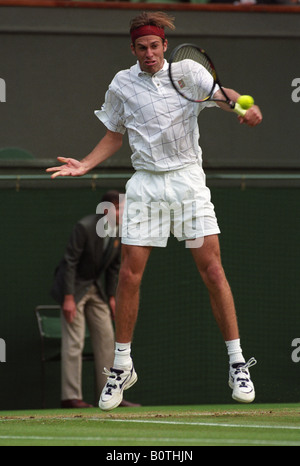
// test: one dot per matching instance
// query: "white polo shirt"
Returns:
(162, 125)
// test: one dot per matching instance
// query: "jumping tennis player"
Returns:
(169, 179)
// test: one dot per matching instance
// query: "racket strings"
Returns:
(191, 53)
(193, 82)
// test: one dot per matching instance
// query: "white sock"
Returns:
(122, 355)
(234, 351)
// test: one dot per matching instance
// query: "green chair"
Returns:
(15, 153)
(49, 325)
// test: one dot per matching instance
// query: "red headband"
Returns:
(147, 31)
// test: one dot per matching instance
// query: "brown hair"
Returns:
(112, 196)
(159, 19)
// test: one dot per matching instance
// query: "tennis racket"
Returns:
(182, 76)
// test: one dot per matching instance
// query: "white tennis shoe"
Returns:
(240, 382)
(118, 380)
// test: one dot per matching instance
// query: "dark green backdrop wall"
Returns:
(177, 343)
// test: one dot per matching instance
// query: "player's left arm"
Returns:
(253, 116)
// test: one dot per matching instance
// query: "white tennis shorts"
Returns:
(160, 203)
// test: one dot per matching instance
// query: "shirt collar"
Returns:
(143, 73)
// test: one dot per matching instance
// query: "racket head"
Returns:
(179, 77)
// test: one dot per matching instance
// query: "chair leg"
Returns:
(43, 386)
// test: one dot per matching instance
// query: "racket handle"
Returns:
(239, 110)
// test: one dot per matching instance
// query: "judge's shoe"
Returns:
(75, 404)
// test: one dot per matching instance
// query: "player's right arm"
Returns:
(253, 117)
(108, 145)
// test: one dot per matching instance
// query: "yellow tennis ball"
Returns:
(245, 101)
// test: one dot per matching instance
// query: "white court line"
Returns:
(211, 424)
(152, 421)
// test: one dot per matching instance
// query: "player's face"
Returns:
(149, 51)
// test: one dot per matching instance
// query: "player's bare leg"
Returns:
(122, 376)
(208, 261)
(134, 260)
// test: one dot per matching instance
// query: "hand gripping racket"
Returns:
(181, 82)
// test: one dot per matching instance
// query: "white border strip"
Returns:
(158, 440)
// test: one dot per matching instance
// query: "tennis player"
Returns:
(167, 190)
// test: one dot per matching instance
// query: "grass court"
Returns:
(169, 427)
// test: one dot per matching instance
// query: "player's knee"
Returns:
(129, 278)
(214, 276)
